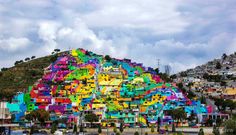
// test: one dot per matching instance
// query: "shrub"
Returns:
(152, 128)
(136, 133)
(54, 128)
(230, 127)
(146, 133)
(107, 58)
(121, 127)
(113, 124)
(81, 129)
(99, 129)
(201, 132)
(75, 129)
(179, 133)
(173, 127)
(216, 131)
(32, 129)
(117, 133)
(114, 129)
(218, 122)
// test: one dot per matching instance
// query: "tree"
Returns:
(32, 129)
(8, 95)
(4, 69)
(75, 129)
(206, 76)
(180, 85)
(158, 124)
(53, 58)
(42, 115)
(33, 57)
(201, 132)
(203, 100)
(57, 50)
(28, 117)
(183, 74)
(107, 58)
(99, 129)
(225, 104)
(223, 83)
(216, 130)
(173, 127)
(191, 117)
(16, 63)
(91, 117)
(209, 122)
(27, 59)
(81, 129)
(157, 71)
(173, 76)
(190, 84)
(54, 127)
(190, 95)
(224, 56)
(230, 127)
(218, 103)
(114, 129)
(121, 127)
(218, 121)
(231, 105)
(165, 77)
(218, 65)
(152, 128)
(13, 117)
(177, 114)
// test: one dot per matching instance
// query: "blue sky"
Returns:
(181, 33)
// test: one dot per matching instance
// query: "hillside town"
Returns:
(217, 78)
(82, 89)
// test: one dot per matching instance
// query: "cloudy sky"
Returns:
(181, 33)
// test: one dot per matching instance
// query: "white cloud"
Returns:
(162, 17)
(182, 33)
(14, 44)
(47, 32)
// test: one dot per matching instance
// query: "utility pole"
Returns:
(158, 63)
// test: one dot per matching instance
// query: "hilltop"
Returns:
(81, 82)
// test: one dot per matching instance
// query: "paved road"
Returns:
(130, 131)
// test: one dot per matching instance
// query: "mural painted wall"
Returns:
(113, 89)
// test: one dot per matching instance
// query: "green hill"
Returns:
(22, 75)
